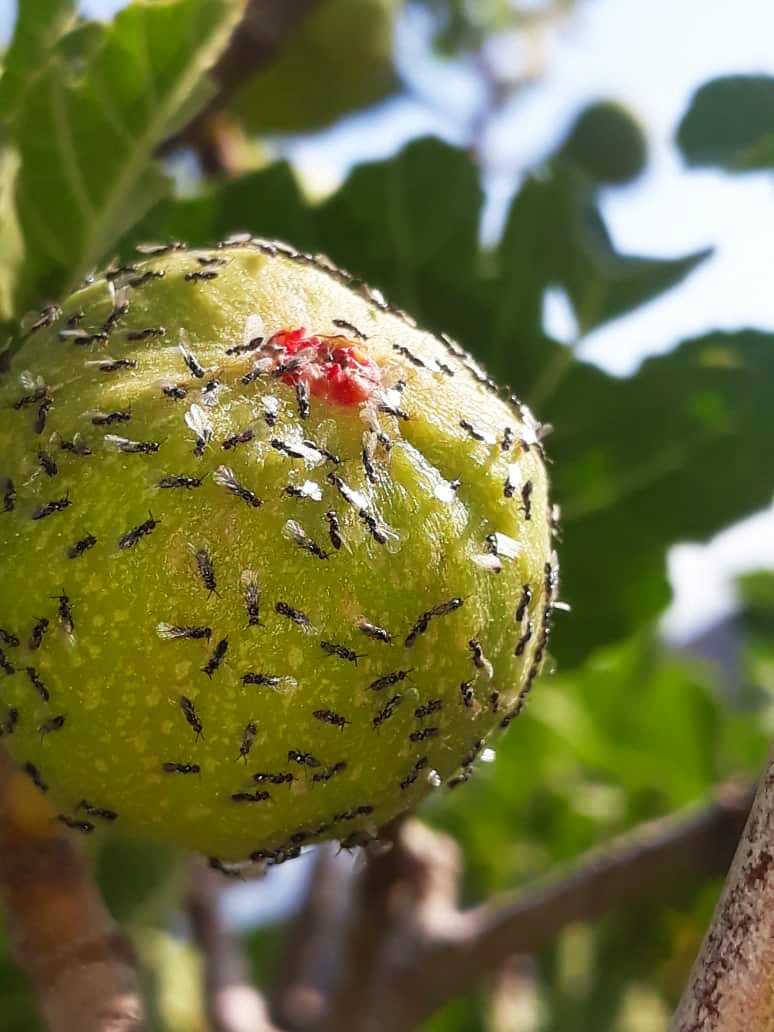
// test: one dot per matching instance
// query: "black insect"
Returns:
(412, 776)
(334, 530)
(147, 333)
(85, 827)
(305, 759)
(206, 570)
(191, 362)
(376, 529)
(389, 679)
(326, 775)
(173, 481)
(327, 716)
(299, 618)
(414, 359)
(507, 440)
(332, 649)
(263, 680)
(123, 444)
(329, 455)
(387, 710)
(9, 724)
(131, 537)
(251, 797)
(344, 325)
(283, 778)
(480, 662)
(286, 449)
(56, 505)
(115, 364)
(42, 415)
(431, 706)
(118, 313)
(181, 768)
(422, 624)
(205, 261)
(65, 612)
(76, 447)
(32, 398)
(241, 438)
(423, 733)
(7, 667)
(97, 811)
(356, 839)
(223, 867)
(6, 638)
(249, 735)
(47, 316)
(166, 630)
(522, 643)
(526, 500)
(474, 433)
(494, 702)
(216, 658)
(40, 628)
(9, 495)
(302, 399)
(174, 390)
(252, 598)
(393, 410)
(145, 277)
(524, 601)
(241, 349)
(52, 724)
(37, 684)
(372, 631)
(110, 418)
(368, 465)
(254, 374)
(202, 274)
(460, 779)
(47, 464)
(33, 773)
(189, 712)
(225, 477)
(466, 691)
(444, 368)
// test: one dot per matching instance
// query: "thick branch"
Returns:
(731, 988)
(266, 27)
(233, 1005)
(80, 965)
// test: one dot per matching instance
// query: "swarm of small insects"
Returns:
(276, 564)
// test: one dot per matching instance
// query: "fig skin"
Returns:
(265, 592)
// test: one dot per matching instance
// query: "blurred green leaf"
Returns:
(339, 60)
(730, 122)
(87, 135)
(39, 26)
(19, 1010)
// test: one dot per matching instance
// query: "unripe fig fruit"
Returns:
(275, 562)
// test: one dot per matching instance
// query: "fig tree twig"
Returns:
(233, 1004)
(80, 964)
(731, 988)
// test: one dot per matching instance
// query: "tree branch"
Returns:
(233, 1005)
(309, 964)
(731, 988)
(265, 28)
(81, 966)
(411, 949)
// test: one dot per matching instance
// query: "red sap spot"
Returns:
(333, 368)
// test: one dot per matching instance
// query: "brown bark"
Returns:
(81, 966)
(731, 988)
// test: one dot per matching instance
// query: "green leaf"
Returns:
(87, 138)
(39, 26)
(730, 122)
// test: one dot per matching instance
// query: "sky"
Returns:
(652, 57)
